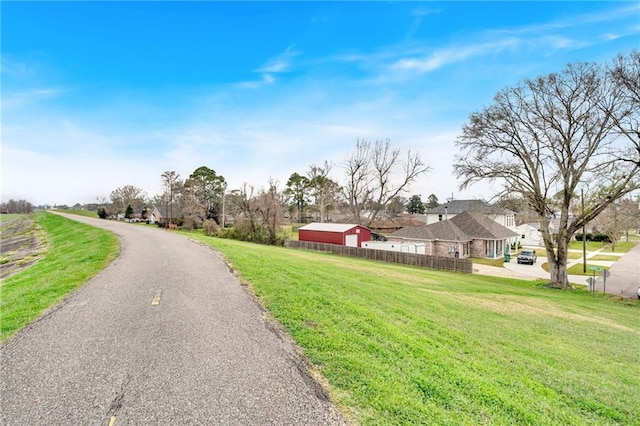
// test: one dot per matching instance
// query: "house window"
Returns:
(465, 249)
(523, 236)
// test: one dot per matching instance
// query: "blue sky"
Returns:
(97, 95)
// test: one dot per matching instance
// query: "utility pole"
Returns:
(222, 218)
(584, 237)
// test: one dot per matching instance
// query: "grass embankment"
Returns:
(8, 217)
(87, 213)
(76, 252)
(403, 345)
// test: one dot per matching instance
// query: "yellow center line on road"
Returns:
(156, 298)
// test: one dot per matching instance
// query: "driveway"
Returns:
(165, 335)
(624, 280)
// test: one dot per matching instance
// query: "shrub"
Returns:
(210, 227)
(601, 238)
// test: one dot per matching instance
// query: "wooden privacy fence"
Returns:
(423, 260)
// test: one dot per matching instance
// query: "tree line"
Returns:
(375, 177)
(566, 145)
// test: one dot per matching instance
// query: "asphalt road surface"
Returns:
(165, 335)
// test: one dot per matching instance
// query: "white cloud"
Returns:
(26, 98)
(280, 63)
(265, 80)
(455, 54)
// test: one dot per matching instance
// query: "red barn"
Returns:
(335, 233)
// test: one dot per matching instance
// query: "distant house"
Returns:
(157, 215)
(467, 234)
(335, 233)
(529, 235)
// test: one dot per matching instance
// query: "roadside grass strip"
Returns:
(86, 213)
(405, 346)
(76, 252)
(621, 247)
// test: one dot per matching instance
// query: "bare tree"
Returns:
(17, 207)
(550, 136)
(625, 73)
(617, 219)
(128, 195)
(261, 214)
(270, 206)
(172, 183)
(372, 177)
(358, 187)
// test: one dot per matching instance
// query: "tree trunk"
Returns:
(558, 262)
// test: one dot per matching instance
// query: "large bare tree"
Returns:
(128, 195)
(545, 140)
(376, 174)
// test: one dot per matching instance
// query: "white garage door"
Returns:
(351, 241)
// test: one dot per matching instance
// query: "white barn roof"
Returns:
(328, 227)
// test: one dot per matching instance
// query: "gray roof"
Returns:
(479, 226)
(444, 230)
(459, 206)
(465, 226)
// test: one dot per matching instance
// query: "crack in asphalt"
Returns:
(117, 402)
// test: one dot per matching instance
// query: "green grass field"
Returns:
(76, 252)
(86, 213)
(401, 345)
(621, 247)
(8, 217)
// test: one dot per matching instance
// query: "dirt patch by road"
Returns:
(22, 243)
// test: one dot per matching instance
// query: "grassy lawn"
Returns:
(606, 257)
(591, 245)
(76, 252)
(8, 217)
(86, 213)
(401, 345)
(621, 247)
(570, 255)
(577, 268)
(491, 262)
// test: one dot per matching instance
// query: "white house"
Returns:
(529, 235)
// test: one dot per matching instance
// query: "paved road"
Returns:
(625, 275)
(204, 354)
(625, 272)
